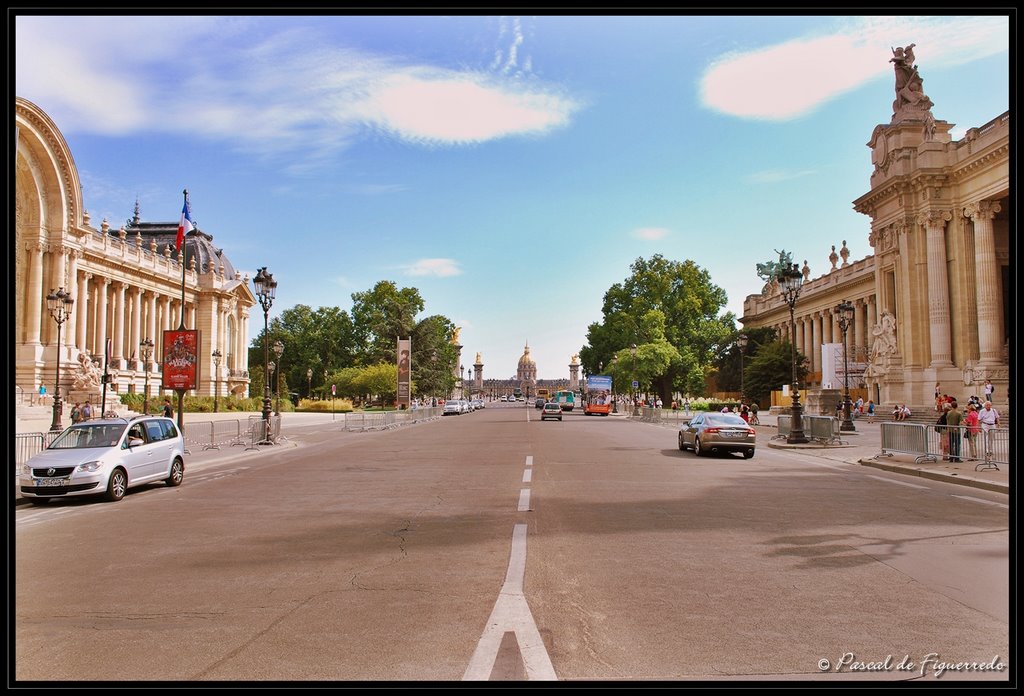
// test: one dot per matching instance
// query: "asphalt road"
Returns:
(495, 546)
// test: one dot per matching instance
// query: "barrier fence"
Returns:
(818, 428)
(358, 422)
(28, 445)
(927, 443)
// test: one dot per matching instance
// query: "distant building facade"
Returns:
(932, 304)
(126, 282)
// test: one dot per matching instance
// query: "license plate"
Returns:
(729, 434)
(52, 482)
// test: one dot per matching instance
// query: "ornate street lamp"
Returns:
(741, 341)
(278, 350)
(790, 279)
(216, 377)
(846, 312)
(266, 288)
(309, 383)
(146, 346)
(632, 351)
(462, 382)
(615, 399)
(59, 303)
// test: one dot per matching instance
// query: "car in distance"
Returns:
(539, 403)
(452, 406)
(106, 457)
(551, 410)
(710, 432)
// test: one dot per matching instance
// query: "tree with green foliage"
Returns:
(771, 368)
(381, 316)
(686, 315)
(727, 362)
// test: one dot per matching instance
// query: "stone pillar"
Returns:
(83, 300)
(117, 353)
(101, 316)
(478, 376)
(805, 345)
(859, 322)
(136, 332)
(574, 376)
(986, 277)
(72, 327)
(35, 294)
(815, 354)
(934, 222)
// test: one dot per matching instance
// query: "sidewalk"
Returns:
(864, 448)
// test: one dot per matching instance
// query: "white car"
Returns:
(452, 407)
(106, 457)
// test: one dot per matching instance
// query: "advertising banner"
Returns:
(404, 372)
(181, 360)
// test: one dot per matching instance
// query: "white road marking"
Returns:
(980, 500)
(900, 483)
(512, 613)
(529, 460)
(527, 475)
(524, 500)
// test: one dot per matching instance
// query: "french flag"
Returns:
(185, 225)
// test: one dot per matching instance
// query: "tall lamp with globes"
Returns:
(146, 346)
(266, 289)
(59, 304)
(216, 377)
(790, 280)
(845, 312)
(309, 383)
(278, 351)
(741, 342)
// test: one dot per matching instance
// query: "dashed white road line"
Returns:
(529, 460)
(980, 500)
(527, 475)
(511, 613)
(524, 500)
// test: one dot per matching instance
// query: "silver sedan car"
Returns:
(709, 432)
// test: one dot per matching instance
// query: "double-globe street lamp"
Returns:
(278, 350)
(59, 303)
(790, 279)
(216, 376)
(632, 386)
(845, 312)
(266, 288)
(146, 346)
(309, 383)
(741, 341)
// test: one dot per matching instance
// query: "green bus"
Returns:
(566, 399)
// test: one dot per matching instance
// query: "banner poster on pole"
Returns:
(181, 360)
(404, 372)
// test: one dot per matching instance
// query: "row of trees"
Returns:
(664, 328)
(357, 351)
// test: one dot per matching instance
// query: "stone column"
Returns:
(72, 327)
(805, 344)
(934, 222)
(815, 356)
(83, 300)
(136, 333)
(860, 308)
(117, 352)
(986, 278)
(101, 316)
(35, 294)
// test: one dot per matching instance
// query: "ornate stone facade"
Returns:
(932, 303)
(126, 283)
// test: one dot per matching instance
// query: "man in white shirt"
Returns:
(988, 417)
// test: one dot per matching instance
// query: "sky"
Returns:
(510, 168)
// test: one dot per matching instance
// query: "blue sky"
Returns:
(511, 168)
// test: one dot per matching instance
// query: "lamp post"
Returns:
(846, 312)
(278, 350)
(632, 351)
(59, 303)
(266, 288)
(790, 280)
(309, 383)
(462, 382)
(741, 341)
(216, 377)
(146, 351)
(615, 398)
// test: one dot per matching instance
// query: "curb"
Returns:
(939, 476)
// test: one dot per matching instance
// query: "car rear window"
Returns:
(723, 419)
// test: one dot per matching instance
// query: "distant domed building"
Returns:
(526, 372)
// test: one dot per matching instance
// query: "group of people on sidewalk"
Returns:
(974, 424)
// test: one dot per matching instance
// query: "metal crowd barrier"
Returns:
(358, 422)
(263, 432)
(28, 445)
(927, 443)
(822, 428)
(785, 427)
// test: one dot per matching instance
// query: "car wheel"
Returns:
(747, 454)
(177, 473)
(117, 486)
(697, 449)
(681, 445)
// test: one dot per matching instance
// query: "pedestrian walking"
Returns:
(973, 431)
(168, 409)
(76, 413)
(989, 390)
(943, 431)
(953, 419)
(86, 411)
(871, 411)
(753, 414)
(989, 419)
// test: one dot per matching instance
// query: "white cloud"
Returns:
(792, 79)
(265, 89)
(650, 233)
(440, 268)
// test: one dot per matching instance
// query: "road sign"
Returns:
(636, 384)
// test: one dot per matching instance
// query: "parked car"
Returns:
(452, 406)
(106, 457)
(478, 403)
(539, 403)
(551, 410)
(504, 397)
(709, 432)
